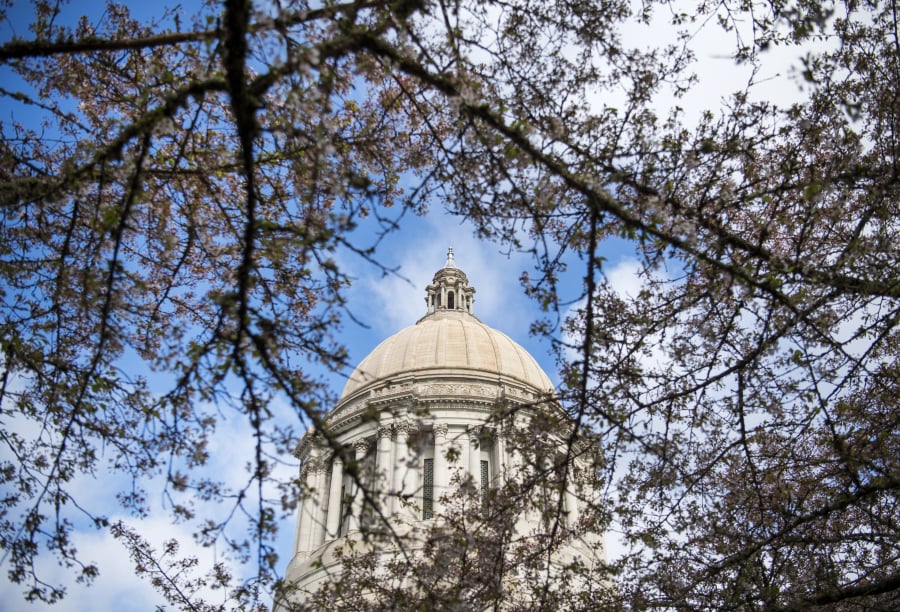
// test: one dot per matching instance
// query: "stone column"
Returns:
(333, 524)
(441, 469)
(500, 451)
(462, 443)
(475, 457)
(405, 472)
(401, 430)
(571, 499)
(513, 455)
(361, 447)
(304, 517)
(320, 508)
(384, 467)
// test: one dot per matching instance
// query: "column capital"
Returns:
(361, 446)
(405, 428)
(440, 430)
(314, 465)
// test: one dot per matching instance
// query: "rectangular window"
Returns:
(485, 475)
(428, 490)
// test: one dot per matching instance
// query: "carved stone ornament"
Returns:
(457, 389)
(361, 446)
(392, 389)
(322, 464)
(406, 429)
(440, 430)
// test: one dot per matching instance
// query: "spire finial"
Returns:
(450, 263)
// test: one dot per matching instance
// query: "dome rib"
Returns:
(523, 365)
(497, 353)
(470, 355)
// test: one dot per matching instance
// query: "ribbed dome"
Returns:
(449, 340)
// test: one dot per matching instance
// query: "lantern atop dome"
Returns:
(449, 289)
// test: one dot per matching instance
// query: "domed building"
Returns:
(417, 418)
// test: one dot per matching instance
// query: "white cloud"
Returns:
(773, 79)
(625, 278)
(117, 587)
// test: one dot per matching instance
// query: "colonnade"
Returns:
(390, 463)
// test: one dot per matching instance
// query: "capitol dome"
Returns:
(448, 341)
(452, 342)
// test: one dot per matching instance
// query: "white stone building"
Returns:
(418, 410)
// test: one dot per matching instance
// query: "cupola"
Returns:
(449, 289)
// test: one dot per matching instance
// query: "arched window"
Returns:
(450, 300)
